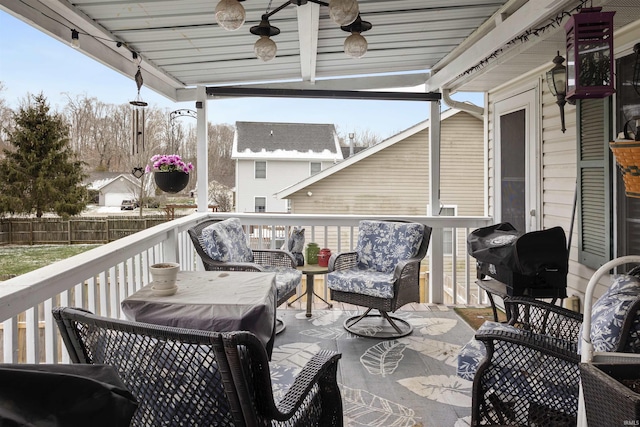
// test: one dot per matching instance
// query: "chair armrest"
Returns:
(321, 370)
(250, 370)
(342, 261)
(274, 257)
(545, 344)
(544, 318)
(211, 265)
(406, 267)
(525, 377)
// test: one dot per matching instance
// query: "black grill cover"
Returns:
(533, 264)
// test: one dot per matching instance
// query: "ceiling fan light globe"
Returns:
(343, 12)
(355, 45)
(230, 14)
(265, 49)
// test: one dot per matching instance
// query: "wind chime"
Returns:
(137, 118)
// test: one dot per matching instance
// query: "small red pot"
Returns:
(323, 257)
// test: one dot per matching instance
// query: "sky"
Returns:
(32, 62)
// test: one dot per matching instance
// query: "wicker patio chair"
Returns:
(527, 372)
(200, 378)
(237, 256)
(383, 273)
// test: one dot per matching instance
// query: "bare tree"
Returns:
(361, 138)
(221, 196)
(6, 121)
(221, 167)
(96, 131)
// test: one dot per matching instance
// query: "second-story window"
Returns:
(260, 170)
(314, 168)
(260, 204)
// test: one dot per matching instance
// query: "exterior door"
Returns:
(516, 161)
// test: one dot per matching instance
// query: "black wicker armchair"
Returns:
(273, 260)
(527, 373)
(383, 273)
(201, 378)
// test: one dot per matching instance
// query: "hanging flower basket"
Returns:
(171, 182)
(627, 154)
(170, 173)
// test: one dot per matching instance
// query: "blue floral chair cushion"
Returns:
(382, 244)
(225, 241)
(608, 314)
(474, 352)
(365, 282)
(287, 278)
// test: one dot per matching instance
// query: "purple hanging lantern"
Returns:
(590, 54)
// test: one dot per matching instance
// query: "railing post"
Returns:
(436, 267)
(10, 340)
(170, 247)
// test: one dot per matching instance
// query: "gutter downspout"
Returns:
(462, 106)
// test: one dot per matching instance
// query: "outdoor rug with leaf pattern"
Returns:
(404, 382)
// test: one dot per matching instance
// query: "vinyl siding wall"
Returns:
(280, 174)
(395, 181)
(558, 168)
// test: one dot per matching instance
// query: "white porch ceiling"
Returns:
(182, 46)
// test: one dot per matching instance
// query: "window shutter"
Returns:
(594, 177)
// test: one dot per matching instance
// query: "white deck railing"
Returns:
(99, 279)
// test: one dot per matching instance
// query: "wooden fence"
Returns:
(40, 231)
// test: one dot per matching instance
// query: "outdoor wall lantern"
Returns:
(230, 15)
(557, 81)
(590, 54)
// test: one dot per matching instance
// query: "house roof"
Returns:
(254, 140)
(99, 180)
(359, 156)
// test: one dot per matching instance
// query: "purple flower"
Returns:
(169, 163)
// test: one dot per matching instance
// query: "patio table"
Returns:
(220, 301)
(311, 270)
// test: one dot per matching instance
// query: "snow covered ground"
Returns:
(94, 210)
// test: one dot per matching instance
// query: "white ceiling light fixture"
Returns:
(230, 14)
(340, 11)
(356, 45)
(343, 12)
(265, 48)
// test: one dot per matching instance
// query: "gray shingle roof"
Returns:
(300, 137)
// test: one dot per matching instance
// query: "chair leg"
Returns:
(377, 326)
(280, 325)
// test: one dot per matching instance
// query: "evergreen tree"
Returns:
(40, 172)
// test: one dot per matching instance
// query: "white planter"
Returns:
(163, 276)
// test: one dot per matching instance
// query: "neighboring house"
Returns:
(271, 156)
(392, 177)
(113, 187)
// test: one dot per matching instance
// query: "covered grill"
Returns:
(532, 264)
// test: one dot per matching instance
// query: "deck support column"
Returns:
(202, 164)
(436, 267)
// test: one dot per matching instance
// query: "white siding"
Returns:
(558, 174)
(280, 174)
(395, 180)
